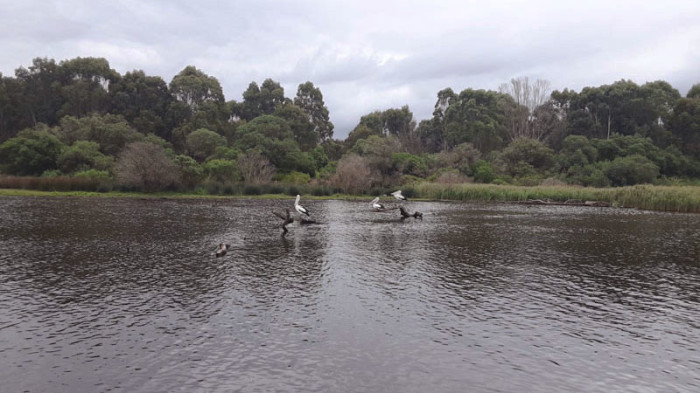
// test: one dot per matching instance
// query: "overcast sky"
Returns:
(367, 55)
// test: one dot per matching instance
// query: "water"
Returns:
(110, 295)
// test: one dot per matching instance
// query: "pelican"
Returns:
(222, 250)
(376, 204)
(301, 209)
(398, 195)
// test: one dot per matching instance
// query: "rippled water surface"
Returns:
(111, 295)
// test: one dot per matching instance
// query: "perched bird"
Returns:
(222, 250)
(301, 209)
(376, 204)
(398, 195)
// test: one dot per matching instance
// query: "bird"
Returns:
(398, 195)
(301, 209)
(376, 204)
(222, 250)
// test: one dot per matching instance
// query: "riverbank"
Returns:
(683, 199)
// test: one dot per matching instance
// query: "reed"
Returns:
(684, 199)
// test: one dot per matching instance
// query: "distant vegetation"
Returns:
(80, 125)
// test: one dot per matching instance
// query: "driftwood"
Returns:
(288, 219)
(404, 213)
(570, 202)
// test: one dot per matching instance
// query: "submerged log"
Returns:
(288, 219)
(405, 214)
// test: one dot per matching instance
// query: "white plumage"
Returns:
(376, 204)
(299, 208)
(398, 195)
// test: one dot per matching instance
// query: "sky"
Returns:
(367, 55)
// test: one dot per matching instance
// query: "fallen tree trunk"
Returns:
(570, 202)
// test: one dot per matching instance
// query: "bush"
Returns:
(222, 171)
(295, 177)
(483, 172)
(634, 169)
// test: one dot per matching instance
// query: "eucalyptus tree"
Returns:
(143, 101)
(37, 91)
(85, 83)
(310, 99)
(261, 100)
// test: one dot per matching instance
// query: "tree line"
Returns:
(79, 118)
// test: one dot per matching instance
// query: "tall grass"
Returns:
(661, 198)
(56, 183)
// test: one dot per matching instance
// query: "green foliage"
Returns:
(93, 174)
(310, 99)
(408, 164)
(30, 153)
(525, 156)
(82, 156)
(295, 177)
(222, 171)
(484, 172)
(202, 143)
(111, 132)
(630, 170)
(191, 172)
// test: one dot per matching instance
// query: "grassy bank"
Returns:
(659, 198)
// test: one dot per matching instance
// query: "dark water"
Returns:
(108, 295)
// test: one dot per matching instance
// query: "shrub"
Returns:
(634, 169)
(483, 172)
(295, 177)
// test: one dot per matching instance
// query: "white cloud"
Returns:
(367, 55)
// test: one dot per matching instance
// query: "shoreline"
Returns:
(677, 199)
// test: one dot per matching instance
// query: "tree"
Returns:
(82, 156)
(143, 101)
(85, 86)
(634, 169)
(520, 112)
(694, 91)
(263, 100)
(40, 95)
(202, 143)
(194, 88)
(111, 132)
(147, 167)
(254, 168)
(526, 153)
(30, 153)
(475, 116)
(310, 99)
(684, 124)
(302, 128)
(221, 171)
(353, 174)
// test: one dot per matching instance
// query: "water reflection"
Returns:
(109, 295)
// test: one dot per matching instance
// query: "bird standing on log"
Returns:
(399, 196)
(376, 204)
(301, 209)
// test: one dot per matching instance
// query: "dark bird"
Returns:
(301, 209)
(223, 248)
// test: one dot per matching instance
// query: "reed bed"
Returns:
(685, 199)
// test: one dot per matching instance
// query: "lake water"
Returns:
(125, 295)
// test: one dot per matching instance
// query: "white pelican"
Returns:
(222, 250)
(376, 204)
(398, 195)
(301, 209)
